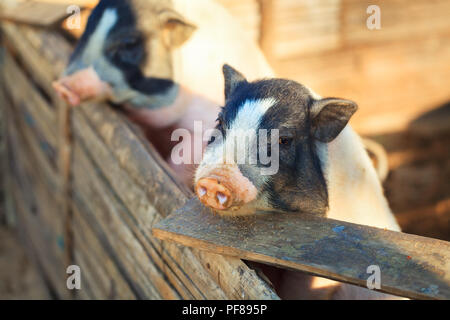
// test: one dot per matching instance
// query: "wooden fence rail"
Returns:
(95, 186)
(410, 266)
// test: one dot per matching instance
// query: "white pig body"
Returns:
(354, 190)
(218, 39)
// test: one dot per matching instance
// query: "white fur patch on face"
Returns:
(251, 113)
(95, 44)
(243, 126)
(242, 131)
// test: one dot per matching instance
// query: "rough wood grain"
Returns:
(26, 97)
(120, 218)
(52, 114)
(149, 178)
(9, 213)
(103, 278)
(411, 266)
(162, 190)
(42, 14)
(33, 210)
(54, 270)
(30, 57)
(139, 212)
(104, 214)
(37, 187)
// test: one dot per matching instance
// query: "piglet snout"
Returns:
(214, 194)
(225, 188)
(80, 86)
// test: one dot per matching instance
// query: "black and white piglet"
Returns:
(323, 166)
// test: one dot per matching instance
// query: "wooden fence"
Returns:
(87, 187)
(97, 212)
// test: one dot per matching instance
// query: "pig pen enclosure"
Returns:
(85, 187)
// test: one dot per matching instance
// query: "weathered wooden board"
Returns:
(411, 266)
(54, 269)
(143, 187)
(44, 71)
(193, 274)
(26, 97)
(33, 209)
(103, 279)
(35, 13)
(33, 152)
(103, 211)
(9, 215)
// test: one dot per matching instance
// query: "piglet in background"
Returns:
(322, 168)
(160, 59)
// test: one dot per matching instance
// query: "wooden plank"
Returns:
(148, 172)
(139, 215)
(54, 270)
(27, 97)
(411, 266)
(9, 213)
(102, 192)
(39, 68)
(142, 181)
(32, 210)
(101, 277)
(42, 153)
(37, 190)
(80, 3)
(105, 213)
(41, 14)
(51, 45)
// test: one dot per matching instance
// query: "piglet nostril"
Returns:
(222, 198)
(201, 191)
(214, 194)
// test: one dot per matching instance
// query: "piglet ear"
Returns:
(232, 79)
(175, 28)
(329, 117)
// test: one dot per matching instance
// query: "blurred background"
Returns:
(399, 75)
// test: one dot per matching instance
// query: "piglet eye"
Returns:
(285, 141)
(127, 50)
(211, 140)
